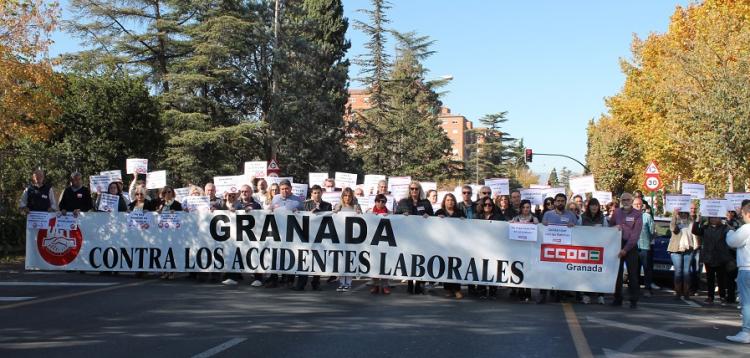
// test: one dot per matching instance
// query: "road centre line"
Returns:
(672, 335)
(579, 339)
(220, 348)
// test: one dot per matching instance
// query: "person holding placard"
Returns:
(467, 205)
(558, 216)
(630, 223)
(489, 212)
(246, 201)
(193, 190)
(167, 201)
(137, 183)
(273, 190)
(415, 204)
(593, 216)
(714, 253)
(449, 208)
(681, 246)
(76, 197)
(380, 208)
(740, 240)
(285, 199)
(525, 216)
(261, 190)
(114, 189)
(230, 201)
(140, 200)
(38, 196)
(645, 239)
(316, 203)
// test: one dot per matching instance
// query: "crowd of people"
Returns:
(723, 244)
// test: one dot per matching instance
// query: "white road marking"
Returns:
(220, 348)
(667, 334)
(40, 283)
(15, 299)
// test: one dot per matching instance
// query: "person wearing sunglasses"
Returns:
(415, 204)
(484, 192)
(167, 201)
(489, 212)
(141, 200)
(467, 205)
(547, 205)
(449, 208)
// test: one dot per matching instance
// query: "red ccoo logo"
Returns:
(572, 254)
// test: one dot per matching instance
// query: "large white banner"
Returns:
(395, 247)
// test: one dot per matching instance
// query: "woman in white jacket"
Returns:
(740, 240)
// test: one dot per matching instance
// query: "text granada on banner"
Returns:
(396, 247)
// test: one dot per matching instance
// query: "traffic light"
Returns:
(529, 155)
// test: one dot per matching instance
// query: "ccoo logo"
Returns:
(59, 245)
(572, 254)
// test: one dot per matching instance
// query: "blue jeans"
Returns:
(646, 261)
(682, 268)
(743, 286)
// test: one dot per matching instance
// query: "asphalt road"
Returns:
(63, 314)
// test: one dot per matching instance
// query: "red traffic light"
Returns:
(529, 155)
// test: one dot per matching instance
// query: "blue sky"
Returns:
(550, 64)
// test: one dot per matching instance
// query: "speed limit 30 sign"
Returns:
(652, 183)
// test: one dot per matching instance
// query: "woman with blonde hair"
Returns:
(348, 204)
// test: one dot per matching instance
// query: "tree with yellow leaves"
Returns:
(28, 84)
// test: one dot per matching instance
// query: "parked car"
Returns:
(662, 261)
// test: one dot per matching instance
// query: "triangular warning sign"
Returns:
(272, 165)
(651, 169)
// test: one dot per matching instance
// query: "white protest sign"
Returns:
(256, 169)
(535, 196)
(99, 183)
(582, 185)
(428, 185)
(278, 180)
(68, 222)
(551, 192)
(114, 175)
(399, 191)
(170, 220)
(109, 203)
(714, 208)
(539, 186)
(230, 183)
(345, 180)
(300, 190)
(695, 190)
(522, 232)
(198, 203)
(397, 181)
(604, 197)
(181, 193)
(557, 234)
(371, 183)
(499, 186)
(37, 220)
(136, 166)
(332, 197)
(139, 219)
(681, 202)
(156, 180)
(735, 200)
(317, 179)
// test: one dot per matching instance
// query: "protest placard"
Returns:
(345, 180)
(499, 186)
(333, 197)
(371, 183)
(37, 220)
(604, 197)
(557, 234)
(156, 180)
(197, 203)
(735, 200)
(136, 166)
(231, 183)
(300, 190)
(522, 232)
(181, 193)
(170, 220)
(108, 202)
(582, 185)
(317, 179)
(695, 190)
(114, 175)
(256, 169)
(535, 196)
(713, 208)
(99, 183)
(681, 202)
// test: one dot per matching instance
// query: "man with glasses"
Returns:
(466, 204)
(246, 201)
(284, 200)
(215, 202)
(645, 257)
(630, 222)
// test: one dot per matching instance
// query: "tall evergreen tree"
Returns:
(493, 152)
(553, 180)
(375, 66)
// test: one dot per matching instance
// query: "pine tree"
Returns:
(367, 127)
(565, 175)
(493, 151)
(553, 180)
